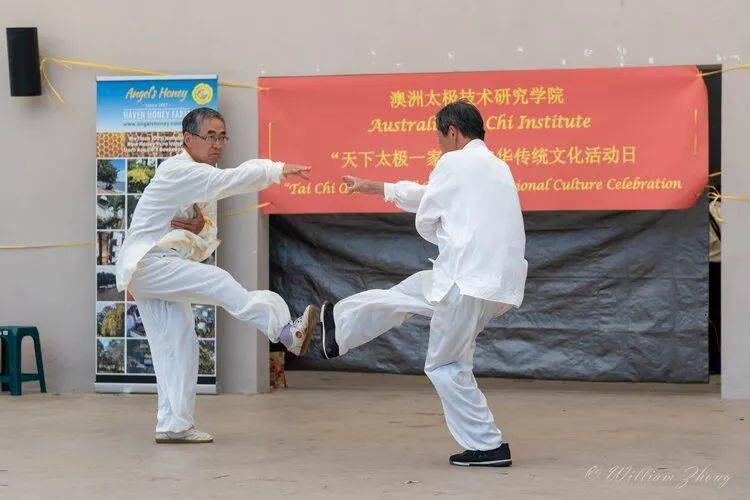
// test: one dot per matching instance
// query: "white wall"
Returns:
(46, 182)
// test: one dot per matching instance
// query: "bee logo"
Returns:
(203, 93)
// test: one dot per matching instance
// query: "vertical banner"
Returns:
(138, 126)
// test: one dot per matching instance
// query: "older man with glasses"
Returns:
(160, 265)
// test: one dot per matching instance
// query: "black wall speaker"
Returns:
(23, 61)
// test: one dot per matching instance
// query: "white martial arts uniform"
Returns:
(159, 268)
(470, 210)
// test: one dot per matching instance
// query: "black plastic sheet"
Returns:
(610, 296)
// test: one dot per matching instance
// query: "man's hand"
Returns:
(297, 170)
(194, 225)
(360, 185)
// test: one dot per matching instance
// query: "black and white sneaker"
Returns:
(328, 346)
(499, 457)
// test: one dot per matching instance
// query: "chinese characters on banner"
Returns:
(581, 139)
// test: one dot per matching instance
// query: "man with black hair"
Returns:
(160, 265)
(471, 211)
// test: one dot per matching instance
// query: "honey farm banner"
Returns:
(581, 139)
(138, 126)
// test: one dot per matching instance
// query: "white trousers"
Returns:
(456, 322)
(164, 285)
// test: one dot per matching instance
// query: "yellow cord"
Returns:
(724, 70)
(68, 63)
(715, 195)
(91, 243)
(47, 245)
(246, 210)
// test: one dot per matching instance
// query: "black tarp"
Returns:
(609, 295)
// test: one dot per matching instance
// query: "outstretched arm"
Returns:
(184, 184)
(405, 194)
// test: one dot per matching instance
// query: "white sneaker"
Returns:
(190, 436)
(302, 330)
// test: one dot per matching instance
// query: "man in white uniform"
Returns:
(160, 266)
(470, 210)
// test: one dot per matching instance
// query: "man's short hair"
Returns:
(464, 116)
(193, 121)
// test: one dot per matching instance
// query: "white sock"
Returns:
(286, 336)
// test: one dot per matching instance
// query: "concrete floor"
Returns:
(345, 435)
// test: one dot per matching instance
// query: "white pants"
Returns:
(456, 322)
(164, 285)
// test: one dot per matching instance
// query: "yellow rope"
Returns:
(740, 197)
(246, 210)
(715, 174)
(724, 70)
(714, 207)
(93, 243)
(243, 85)
(715, 195)
(43, 71)
(47, 245)
(121, 69)
(68, 63)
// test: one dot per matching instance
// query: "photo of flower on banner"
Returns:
(580, 139)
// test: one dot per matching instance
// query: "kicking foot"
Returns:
(190, 436)
(499, 457)
(302, 330)
(328, 346)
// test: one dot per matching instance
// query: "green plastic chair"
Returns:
(11, 376)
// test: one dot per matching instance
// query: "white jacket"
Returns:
(471, 211)
(196, 247)
(179, 182)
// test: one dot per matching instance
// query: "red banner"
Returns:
(580, 139)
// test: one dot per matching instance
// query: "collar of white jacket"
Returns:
(475, 143)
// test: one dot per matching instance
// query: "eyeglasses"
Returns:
(213, 139)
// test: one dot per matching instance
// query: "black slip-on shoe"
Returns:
(499, 457)
(328, 346)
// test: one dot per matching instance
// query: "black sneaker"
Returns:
(499, 457)
(328, 346)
